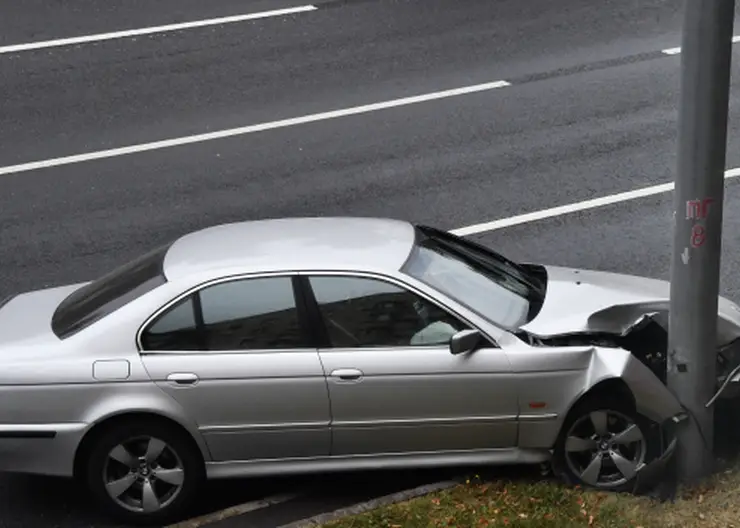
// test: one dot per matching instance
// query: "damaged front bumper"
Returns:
(652, 473)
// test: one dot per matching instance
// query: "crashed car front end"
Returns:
(653, 401)
(624, 311)
(646, 338)
(622, 316)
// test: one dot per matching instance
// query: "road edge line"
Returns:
(152, 30)
(574, 207)
(677, 50)
(373, 504)
(234, 511)
(250, 129)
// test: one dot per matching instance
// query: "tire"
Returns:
(173, 479)
(602, 462)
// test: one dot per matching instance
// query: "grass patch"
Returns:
(544, 503)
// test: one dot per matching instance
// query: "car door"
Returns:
(237, 356)
(393, 383)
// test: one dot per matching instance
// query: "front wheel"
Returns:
(144, 473)
(603, 446)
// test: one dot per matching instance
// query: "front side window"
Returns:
(247, 314)
(107, 294)
(360, 312)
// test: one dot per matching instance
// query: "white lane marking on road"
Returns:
(153, 29)
(573, 207)
(233, 511)
(221, 134)
(676, 51)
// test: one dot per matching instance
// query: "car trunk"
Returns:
(26, 318)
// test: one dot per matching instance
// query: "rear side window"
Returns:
(107, 294)
(243, 314)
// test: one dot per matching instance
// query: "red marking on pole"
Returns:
(698, 236)
(698, 209)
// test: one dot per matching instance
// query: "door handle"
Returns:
(183, 378)
(347, 374)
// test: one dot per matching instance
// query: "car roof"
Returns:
(292, 244)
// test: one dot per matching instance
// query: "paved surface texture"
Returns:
(591, 110)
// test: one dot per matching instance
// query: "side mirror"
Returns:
(464, 342)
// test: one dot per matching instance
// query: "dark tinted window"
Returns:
(360, 312)
(176, 329)
(250, 314)
(107, 294)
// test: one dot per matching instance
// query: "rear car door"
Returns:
(237, 356)
(393, 383)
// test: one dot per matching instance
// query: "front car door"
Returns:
(237, 356)
(393, 383)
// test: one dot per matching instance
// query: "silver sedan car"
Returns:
(321, 344)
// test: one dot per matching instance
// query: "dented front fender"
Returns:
(652, 398)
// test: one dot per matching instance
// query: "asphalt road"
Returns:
(590, 111)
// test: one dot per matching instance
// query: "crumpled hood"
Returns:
(580, 300)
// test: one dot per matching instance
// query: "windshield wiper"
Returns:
(502, 266)
(484, 257)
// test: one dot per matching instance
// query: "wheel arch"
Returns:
(115, 419)
(613, 390)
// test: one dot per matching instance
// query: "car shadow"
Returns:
(39, 501)
(36, 501)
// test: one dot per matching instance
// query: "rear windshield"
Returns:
(109, 293)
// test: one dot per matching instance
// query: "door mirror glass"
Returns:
(465, 341)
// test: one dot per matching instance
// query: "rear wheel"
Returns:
(603, 445)
(145, 473)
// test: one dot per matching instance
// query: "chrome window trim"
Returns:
(404, 285)
(199, 287)
(289, 275)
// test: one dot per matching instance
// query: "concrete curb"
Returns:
(233, 511)
(373, 504)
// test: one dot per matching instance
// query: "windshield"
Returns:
(504, 292)
(109, 293)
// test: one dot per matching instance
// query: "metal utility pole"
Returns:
(705, 78)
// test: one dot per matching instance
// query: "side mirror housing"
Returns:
(464, 342)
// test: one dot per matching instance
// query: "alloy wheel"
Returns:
(143, 474)
(605, 448)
